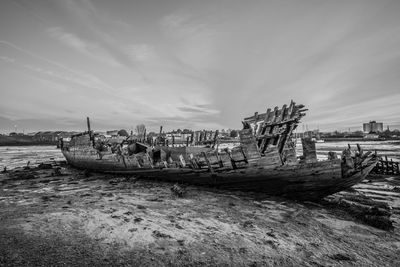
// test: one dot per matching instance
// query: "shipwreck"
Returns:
(263, 161)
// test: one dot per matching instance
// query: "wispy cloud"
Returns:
(90, 49)
(7, 59)
(85, 18)
(195, 110)
(195, 39)
(141, 52)
(63, 73)
(71, 40)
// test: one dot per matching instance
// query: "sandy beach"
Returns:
(79, 219)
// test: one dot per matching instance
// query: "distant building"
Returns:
(371, 136)
(112, 133)
(373, 127)
(50, 136)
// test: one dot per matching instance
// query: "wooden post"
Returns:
(182, 161)
(309, 151)
(215, 138)
(207, 161)
(219, 159)
(88, 124)
(150, 160)
(386, 165)
(244, 154)
(159, 136)
(360, 151)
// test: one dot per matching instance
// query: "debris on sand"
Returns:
(248, 224)
(23, 175)
(87, 173)
(45, 166)
(375, 213)
(138, 219)
(157, 233)
(45, 198)
(57, 172)
(342, 257)
(178, 190)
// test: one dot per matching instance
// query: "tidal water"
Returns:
(19, 156)
(391, 149)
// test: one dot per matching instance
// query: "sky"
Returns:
(196, 64)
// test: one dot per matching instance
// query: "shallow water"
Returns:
(19, 156)
(391, 149)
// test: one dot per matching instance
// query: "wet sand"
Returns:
(77, 219)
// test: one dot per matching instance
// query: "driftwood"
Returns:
(365, 209)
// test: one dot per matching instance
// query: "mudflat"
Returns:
(72, 218)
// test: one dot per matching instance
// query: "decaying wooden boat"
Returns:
(264, 161)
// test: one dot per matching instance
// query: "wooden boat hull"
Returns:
(265, 161)
(301, 181)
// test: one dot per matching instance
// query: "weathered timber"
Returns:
(265, 161)
(384, 166)
(309, 150)
(373, 213)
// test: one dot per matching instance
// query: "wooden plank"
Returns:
(264, 128)
(290, 110)
(267, 115)
(275, 115)
(225, 159)
(282, 113)
(294, 111)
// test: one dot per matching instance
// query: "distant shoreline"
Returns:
(25, 141)
(356, 139)
(29, 144)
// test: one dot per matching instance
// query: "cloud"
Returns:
(59, 71)
(70, 40)
(207, 62)
(195, 39)
(141, 52)
(179, 24)
(84, 18)
(82, 27)
(198, 110)
(7, 59)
